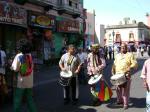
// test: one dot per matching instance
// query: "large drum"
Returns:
(118, 79)
(65, 77)
(94, 79)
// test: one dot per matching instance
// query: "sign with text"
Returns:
(69, 26)
(40, 20)
(12, 14)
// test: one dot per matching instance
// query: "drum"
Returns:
(118, 79)
(65, 77)
(94, 79)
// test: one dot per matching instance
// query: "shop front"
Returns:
(13, 23)
(70, 32)
(40, 32)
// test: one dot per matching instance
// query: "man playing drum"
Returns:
(70, 62)
(123, 64)
(95, 65)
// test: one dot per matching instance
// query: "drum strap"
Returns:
(70, 60)
(96, 60)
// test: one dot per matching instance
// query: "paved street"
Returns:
(49, 98)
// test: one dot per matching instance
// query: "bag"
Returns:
(26, 65)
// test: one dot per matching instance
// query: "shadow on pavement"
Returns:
(85, 110)
(134, 103)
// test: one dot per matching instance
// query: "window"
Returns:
(118, 38)
(70, 3)
(131, 37)
(76, 5)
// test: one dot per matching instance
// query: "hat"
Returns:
(95, 46)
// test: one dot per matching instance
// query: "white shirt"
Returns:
(3, 56)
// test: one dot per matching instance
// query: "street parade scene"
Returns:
(74, 56)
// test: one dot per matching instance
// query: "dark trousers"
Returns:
(81, 76)
(72, 88)
(110, 55)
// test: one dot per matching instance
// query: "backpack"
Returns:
(26, 65)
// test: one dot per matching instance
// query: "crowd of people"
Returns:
(95, 63)
(83, 64)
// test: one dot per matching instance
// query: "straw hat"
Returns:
(94, 46)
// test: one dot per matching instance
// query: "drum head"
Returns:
(94, 79)
(66, 74)
(116, 76)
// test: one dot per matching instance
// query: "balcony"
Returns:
(48, 4)
(72, 10)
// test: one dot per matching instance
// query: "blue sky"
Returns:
(110, 12)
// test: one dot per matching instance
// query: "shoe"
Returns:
(66, 102)
(118, 103)
(125, 107)
(96, 103)
(74, 102)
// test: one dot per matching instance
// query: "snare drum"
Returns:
(65, 77)
(118, 79)
(94, 79)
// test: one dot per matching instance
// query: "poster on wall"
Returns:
(40, 20)
(12, 14)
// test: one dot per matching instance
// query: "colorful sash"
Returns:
(102, 91)
(26, 65)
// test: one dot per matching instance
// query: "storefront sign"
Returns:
(39, 20)
(12, 14)
(68, 26)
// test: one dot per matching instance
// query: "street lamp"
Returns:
(113, 34)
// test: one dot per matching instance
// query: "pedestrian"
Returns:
(138, 51)
(142, 51)
(110, 52)
(123, 64)
(81, 55)
(23, 66)
(3, 86)
(95, 65)
(105, 52)
(145, 75)
(71, 62)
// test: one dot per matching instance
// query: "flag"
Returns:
(104, 91)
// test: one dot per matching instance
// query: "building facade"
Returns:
(49, 25)
(90, 29)
(132, 34)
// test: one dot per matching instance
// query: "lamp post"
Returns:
(113, 34)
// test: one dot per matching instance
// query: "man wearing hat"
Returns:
(95, 65)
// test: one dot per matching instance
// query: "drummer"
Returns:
(123, 64)
(71, 62)
(95, 64)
